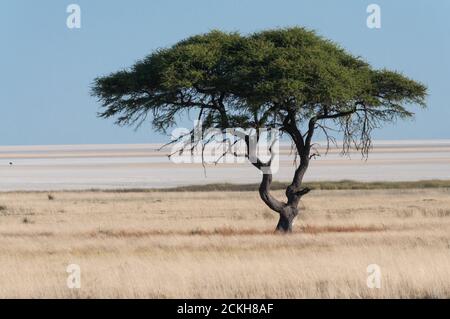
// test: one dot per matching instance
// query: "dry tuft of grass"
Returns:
(25, 220)
(222, 245)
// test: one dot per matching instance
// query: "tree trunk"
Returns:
(287, 217)
(287, 211)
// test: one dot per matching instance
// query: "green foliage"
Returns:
(259, 80)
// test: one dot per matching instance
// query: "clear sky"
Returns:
(46, 69)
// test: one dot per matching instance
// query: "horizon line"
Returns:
(381, 142)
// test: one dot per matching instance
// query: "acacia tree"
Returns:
(291, 80)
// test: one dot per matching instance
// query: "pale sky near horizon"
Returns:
(47, 69)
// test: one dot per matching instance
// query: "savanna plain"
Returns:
(221, 244)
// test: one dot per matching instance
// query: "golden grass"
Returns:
(222, 245)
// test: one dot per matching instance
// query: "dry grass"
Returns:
(214, 244)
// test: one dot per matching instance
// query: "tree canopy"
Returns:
(258, 81)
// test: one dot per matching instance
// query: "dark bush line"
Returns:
(337, 185)
(226, 187)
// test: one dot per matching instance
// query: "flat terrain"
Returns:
(69, 167)
(221, 244)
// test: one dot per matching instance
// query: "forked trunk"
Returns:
(287, 211)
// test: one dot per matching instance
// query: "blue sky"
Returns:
(47, 69)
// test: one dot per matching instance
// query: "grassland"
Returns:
(197, 243)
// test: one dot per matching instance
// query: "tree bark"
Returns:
(264, 193)
(287, 217)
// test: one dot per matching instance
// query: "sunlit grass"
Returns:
(222, 244)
